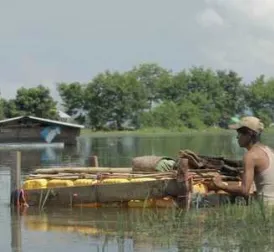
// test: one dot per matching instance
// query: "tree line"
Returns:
(149, 95)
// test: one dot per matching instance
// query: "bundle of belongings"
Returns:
(163, 164)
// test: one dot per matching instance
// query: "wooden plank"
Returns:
(56, 170)
(132, 191)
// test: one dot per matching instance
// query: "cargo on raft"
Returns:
(151, 182)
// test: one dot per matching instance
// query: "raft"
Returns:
(187, 181)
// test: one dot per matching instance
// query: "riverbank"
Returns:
(162, 131)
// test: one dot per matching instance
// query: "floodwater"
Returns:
(116, 229)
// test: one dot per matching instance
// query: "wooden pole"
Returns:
(15, 186)
(93, 161)
(15, 174)
(184, 184)
(16, 235)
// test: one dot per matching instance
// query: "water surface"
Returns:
(114, 229)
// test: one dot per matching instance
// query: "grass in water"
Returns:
(225, 227)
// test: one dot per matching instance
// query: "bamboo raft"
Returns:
(191, 175)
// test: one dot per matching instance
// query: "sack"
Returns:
(152, 163)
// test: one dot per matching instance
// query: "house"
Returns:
(30, 129)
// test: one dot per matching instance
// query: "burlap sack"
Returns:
(147, 163)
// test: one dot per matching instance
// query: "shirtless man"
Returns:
(258, 161)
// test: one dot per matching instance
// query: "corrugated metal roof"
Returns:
(43, 120)
(63, 114)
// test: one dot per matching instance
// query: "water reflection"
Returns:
(119, 151)
(117, 229)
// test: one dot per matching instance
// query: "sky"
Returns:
(47, 42)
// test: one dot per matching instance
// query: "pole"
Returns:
(93, 161)
(15, 186)
(184, 184)
(15, 172)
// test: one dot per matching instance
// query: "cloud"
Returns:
(255, 10)
(246, 42)
(56, 41)
(209, 17)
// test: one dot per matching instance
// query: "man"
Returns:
(258, 161)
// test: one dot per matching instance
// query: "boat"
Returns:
(187, 182)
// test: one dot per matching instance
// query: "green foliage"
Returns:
(114, 98)
(2, 114)
(35, 102)
(150, 96)
(151, 77)
(166, 114)
(260, 98)
(72, 96)
(10, 109)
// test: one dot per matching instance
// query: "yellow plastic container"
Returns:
(60, 183)
(84, 182)
(113, 205)
(88, 230)
(88, 205)
(199, 188)
(141, 203)
(164, 203)
(60, 228)
(35, 184)
(114, 181)
(36, 223)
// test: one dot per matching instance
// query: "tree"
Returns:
(260, 98)
(114, 98)
(10, 109)
(166, 115)
(73, 97)
(151, 76)
(35, 102)
(2, 113)
(232, 99)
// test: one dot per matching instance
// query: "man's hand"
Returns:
(26, 205)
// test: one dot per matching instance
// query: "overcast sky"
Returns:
(45, 42)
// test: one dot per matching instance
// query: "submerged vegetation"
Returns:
(227, 227)
(224, 228)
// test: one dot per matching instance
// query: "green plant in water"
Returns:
(223, 227)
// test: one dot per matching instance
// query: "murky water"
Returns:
(109, 229)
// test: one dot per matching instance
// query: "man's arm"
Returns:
(247, 178)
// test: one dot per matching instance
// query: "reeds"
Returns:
(225, 227)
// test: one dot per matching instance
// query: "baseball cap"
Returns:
(250, 122)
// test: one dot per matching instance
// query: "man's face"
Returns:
(244, 137)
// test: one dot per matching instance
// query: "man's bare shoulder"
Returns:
(257, 153)
(251, 154)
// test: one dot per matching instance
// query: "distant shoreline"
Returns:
(161, 131)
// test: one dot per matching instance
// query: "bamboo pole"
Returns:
(167, 175)
(56, 170)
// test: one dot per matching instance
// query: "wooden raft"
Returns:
(179, 183)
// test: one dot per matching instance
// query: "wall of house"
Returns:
(17, 134)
